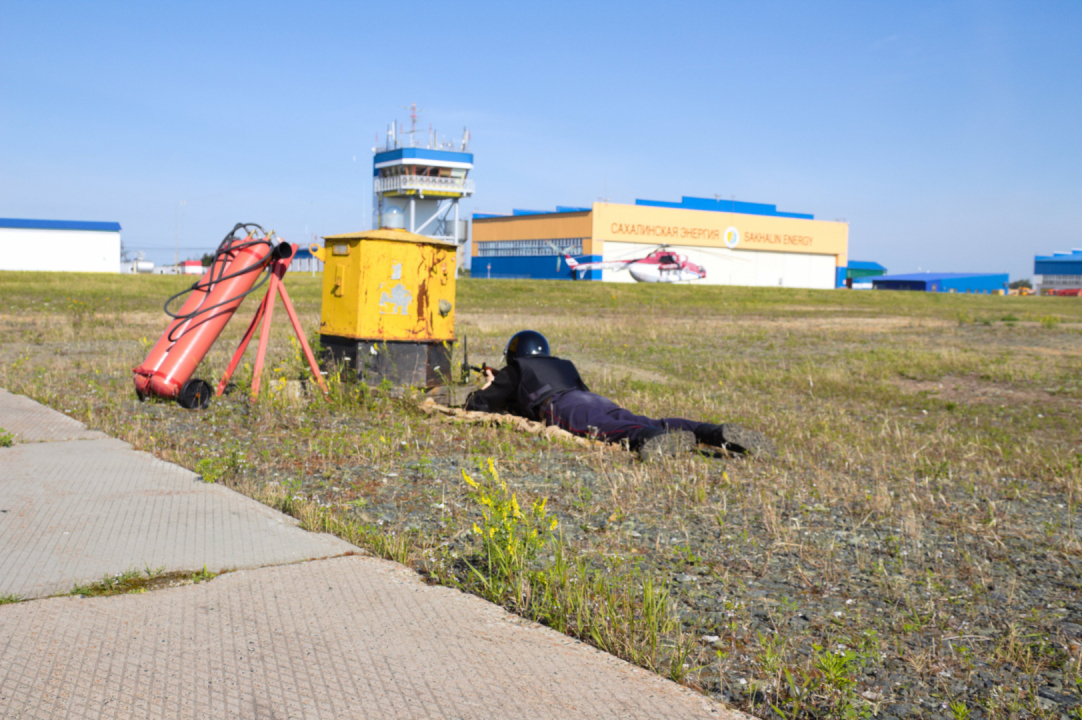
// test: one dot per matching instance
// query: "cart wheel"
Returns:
(194, 395)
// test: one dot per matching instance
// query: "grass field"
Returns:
(913, 552)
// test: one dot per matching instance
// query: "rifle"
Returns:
(466, 367)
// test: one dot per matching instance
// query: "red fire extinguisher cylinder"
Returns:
(168, 369)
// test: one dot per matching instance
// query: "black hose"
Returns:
(227, 245)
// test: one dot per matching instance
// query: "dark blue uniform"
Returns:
(550, 389)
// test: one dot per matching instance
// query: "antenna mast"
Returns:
(413, 120)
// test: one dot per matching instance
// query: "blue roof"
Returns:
(1060, 263)
(732, 206)
(1073, 256)
(934, 276)
(687, 203)
(518, 211)
(59, 225)
(865, 265)
(423, 154)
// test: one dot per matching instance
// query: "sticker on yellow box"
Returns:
(397, 302)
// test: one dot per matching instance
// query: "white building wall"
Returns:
(755, 268)
(1056, 282)
(59, 250)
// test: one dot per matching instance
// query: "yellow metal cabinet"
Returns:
(389, 304)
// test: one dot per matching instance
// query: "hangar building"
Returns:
(1058, 271)
(944, 282)
(59, 245)
(737, 243)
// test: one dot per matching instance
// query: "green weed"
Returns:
(771, 653)
(216, 469)
(510, 538)
(680, 660)
(623, 611)
(959, 710)
(202, 575)
(140, 581)
(128, 581)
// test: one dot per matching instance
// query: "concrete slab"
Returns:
(74, 511)
(29, 421)
(349, 637)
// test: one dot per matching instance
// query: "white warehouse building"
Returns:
(59, 245)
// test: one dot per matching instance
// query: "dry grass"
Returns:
(930, 469)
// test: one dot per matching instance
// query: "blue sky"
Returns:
(948, 134)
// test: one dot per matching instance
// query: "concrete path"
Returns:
(75, 510)
(338, 637)
(29, 421)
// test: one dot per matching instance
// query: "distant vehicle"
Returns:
(660, 266)
(1021, 291)
(1065, 292)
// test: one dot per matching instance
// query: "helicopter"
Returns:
(660, 266)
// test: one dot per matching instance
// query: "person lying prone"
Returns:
(535, 385)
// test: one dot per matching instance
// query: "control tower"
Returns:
(418, 181)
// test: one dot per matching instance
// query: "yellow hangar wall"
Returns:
(534, 227)
(733, 248)
(704, 228)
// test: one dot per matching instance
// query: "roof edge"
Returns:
(91, 226)
(483, 217)
(393, 235)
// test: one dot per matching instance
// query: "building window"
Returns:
(516, 248)
(1062, 280)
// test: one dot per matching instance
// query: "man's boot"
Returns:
(655, 443)
(736, 438)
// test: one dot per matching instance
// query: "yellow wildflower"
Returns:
(469, 481)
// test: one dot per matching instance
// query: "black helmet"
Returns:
(526, 343)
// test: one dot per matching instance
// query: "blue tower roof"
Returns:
(423, 156)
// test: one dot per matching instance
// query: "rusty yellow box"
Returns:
(389, 305)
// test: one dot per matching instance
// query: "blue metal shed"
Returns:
(864, 266)
(944, 282)
(862, 270)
